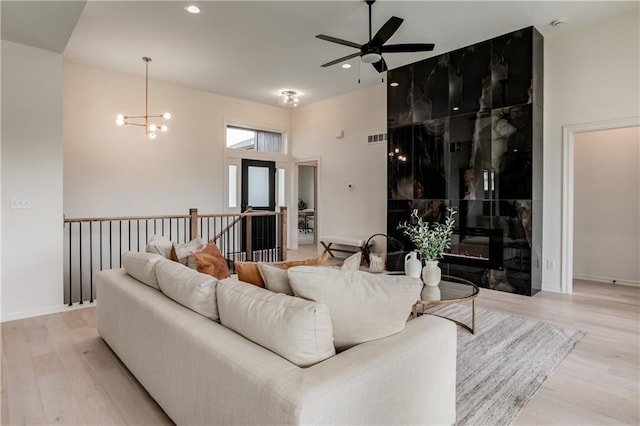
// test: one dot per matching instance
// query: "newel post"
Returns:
(248, 236)
(193, 232)
(283, 232)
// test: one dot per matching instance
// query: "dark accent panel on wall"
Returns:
(470, 79)
(511, 69)
(465, 131)
(429, 152)
(469, 156)
(431, 88)
(400, 163)
(399, 97)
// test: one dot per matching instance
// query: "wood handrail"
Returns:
(184, 216)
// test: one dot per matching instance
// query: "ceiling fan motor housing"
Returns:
(370, 54)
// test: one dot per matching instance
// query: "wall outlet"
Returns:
(550, 265)
(20, 203)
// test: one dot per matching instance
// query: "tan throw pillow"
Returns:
(352, 263)
(363, 306)
(182, 252)
(250, 273)
(160, 245)
(296, 329)
(210, 261)
(275, 278)
(189, 288)
(142, 266)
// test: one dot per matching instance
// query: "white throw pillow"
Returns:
(160, 245)
(296, 329)
(275, 279)
(352, 263)
(363, 306)
(189, 288)
(183, 252)
(142, 267)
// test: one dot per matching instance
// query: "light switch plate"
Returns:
(20, 203)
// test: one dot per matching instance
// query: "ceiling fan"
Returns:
(371, 52)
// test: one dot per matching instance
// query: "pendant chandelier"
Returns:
(150, 129)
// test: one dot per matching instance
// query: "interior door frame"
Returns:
(568, 147)
(315, 163)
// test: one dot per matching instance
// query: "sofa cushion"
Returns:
(189, 288)
(297, 330)
(211, 261)
(363, 306)
(182, 252)
(160, 245)
(250, 273)
(275, 278)
(142, 266)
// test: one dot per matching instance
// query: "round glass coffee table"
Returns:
(450, 290)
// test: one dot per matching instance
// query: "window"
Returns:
(254, 140)
(280, 180)
(233, 186)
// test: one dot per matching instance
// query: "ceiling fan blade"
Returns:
(387, 30)
(408, 47)
(380, 66)
(338, 41)
(344, 58)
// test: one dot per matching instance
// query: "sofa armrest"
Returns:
(406, 378)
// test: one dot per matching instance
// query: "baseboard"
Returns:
(45, 311)
(607, 280)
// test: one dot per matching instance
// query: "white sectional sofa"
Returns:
(201, 372)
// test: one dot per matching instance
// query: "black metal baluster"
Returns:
(80, 258)
(146, 231)
(129, 226)
(170, 229)
(185, 229)
(70, 270)
(101, 245)
(178, 230)
(91, 262)
(120, 242)
(110, 246)
(138, 233)
(162, 226)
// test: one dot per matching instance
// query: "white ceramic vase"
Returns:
(431, 273)
(412, 265)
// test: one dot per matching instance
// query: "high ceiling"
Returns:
(256, 49)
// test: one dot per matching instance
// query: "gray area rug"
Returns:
(503, 364)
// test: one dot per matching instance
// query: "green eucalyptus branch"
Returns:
(430, 239)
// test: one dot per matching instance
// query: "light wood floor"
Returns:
(57, 370)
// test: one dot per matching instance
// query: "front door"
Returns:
(259, 192)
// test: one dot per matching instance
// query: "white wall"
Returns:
(31, 170)
(361, 211)
(306, 185)
(591, 74)
(606, 223)
(111, 170)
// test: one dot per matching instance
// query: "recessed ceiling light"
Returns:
(192, 8)
(346, 66)
(456, 108)
(394, 84)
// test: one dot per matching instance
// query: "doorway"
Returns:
(307, 202)
(259, 192)
(570, 135)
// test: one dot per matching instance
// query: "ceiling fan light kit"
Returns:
(371, 52)
(150, 129)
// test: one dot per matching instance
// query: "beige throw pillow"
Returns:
(363, 306)
(275, 278)
(296, 329)
(160, 245)
(189, 288)
(142, 266)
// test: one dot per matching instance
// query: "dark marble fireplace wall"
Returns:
(465, 131)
